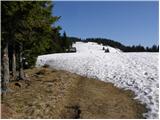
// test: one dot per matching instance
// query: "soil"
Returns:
(50, 94)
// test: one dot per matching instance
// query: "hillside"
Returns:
(59, 94)
(112, 71)
(132, 71)
(119, 45)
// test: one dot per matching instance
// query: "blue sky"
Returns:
(127, 22)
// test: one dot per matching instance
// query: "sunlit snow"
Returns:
(134, 71)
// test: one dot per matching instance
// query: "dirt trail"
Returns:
(60, 94)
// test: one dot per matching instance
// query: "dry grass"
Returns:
(60, 94)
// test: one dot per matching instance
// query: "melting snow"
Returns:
(133, 71)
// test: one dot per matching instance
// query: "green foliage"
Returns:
(65, 42)
(29, 24)
(59, 43)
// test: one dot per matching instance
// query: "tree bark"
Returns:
(14, 64)
(21, 72)
(5, 63)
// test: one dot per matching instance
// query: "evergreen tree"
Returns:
(154, 48)
(65, 42)
(26, 31)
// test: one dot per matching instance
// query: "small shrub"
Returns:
(107, 50)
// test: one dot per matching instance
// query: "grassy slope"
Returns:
(60, 94)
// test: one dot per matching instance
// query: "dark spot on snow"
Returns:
(152, 78)
(145, 73)
(150, 97)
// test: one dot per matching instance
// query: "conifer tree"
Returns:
(26, 31)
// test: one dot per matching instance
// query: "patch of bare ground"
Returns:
(59, 94)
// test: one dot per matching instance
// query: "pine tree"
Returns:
(26, 30)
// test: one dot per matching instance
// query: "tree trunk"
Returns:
(14, 64)
(21, 72)
(5, 64)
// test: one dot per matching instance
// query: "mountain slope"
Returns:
(134, 71)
